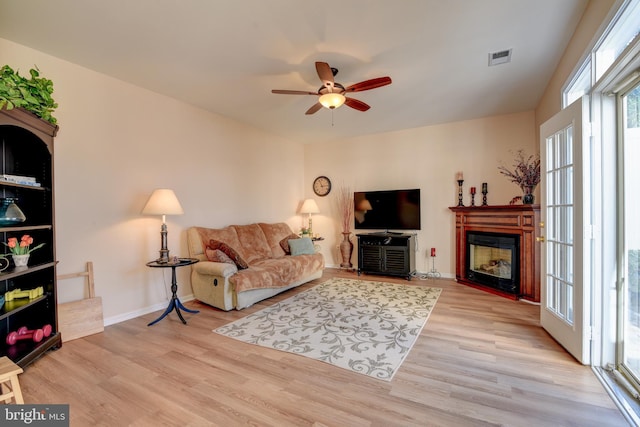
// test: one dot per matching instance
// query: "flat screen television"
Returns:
(387, 210)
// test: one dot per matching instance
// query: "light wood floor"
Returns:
(480, 360)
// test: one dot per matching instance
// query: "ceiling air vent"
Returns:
(501, 57)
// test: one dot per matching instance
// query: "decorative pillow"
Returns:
(301, 246)
(229, 251)
(284, 243)
(216, 255)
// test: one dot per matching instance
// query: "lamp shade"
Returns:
(162, 201)
(309, 207)
(332, 100)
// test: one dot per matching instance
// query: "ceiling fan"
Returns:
(332, 94)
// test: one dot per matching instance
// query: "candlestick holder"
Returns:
(484, 193)
(433, 274)
(473, 199)
(460, 182)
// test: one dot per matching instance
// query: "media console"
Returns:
(391, 254)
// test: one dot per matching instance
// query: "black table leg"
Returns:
(182, 307)
(175, 303)
(172, 305)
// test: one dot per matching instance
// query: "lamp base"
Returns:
(164, 252)
(164, 256)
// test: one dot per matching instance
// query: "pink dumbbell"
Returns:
(23, 333)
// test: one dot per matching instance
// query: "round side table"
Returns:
(175, 303)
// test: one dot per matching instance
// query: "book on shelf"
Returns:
(18, 179)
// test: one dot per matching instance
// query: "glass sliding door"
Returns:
(630, 158)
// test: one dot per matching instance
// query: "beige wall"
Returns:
(116, 143)
(426, 158)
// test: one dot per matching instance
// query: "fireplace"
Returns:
(492, 260)
(508, 266)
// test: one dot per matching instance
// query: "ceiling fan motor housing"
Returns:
(327, 89)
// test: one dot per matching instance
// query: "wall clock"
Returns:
(322, 186)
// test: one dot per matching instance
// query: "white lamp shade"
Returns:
(332, 100)
(309, 207)
(162, 201)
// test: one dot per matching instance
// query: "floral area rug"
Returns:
(363, 326)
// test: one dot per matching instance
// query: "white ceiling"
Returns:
(226, 55)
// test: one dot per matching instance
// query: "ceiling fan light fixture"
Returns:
(332, 100)
(331, 93)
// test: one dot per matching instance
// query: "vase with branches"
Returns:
(345, 208)
(525, 173)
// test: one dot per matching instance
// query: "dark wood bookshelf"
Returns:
(26, 150)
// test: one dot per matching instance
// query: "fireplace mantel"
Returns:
(522, 220)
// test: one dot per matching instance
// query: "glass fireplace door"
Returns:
(493, 260)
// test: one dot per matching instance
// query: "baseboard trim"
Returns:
(141, 312)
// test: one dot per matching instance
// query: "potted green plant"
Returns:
(33, 94)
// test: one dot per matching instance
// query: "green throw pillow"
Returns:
(301, 246)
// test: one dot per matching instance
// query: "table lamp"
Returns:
(163, 202)
(309, 207)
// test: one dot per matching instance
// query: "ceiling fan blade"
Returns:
(293, 92)
(356, 105)
(369, 84)
(315, 107)
(325, 74)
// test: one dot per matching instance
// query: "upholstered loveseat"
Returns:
(243, 264)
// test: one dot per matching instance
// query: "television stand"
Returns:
(386, 253)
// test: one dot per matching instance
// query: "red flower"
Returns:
(12, 243)
(23, 247)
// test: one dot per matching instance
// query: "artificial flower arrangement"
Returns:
(345, 207)
(305, 232)
(23, 247)
(526, 172)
